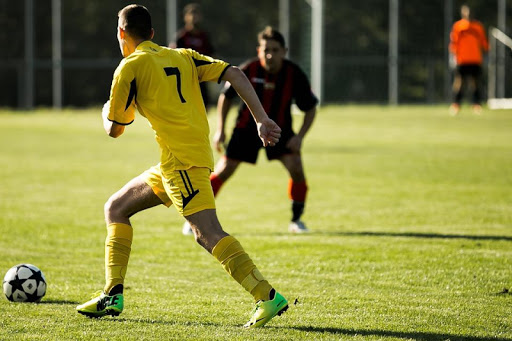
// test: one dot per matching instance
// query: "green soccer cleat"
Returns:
(101, 304)
(266, 310)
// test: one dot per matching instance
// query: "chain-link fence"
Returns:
(355, 58)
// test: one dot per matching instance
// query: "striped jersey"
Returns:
(276, 92)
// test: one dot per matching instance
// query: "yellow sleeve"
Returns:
(208, 68)
(122, 95)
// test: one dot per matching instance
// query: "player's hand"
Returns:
(269, 132)
(218, 140)
(294, 144)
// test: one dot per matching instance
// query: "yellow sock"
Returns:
(239, 265)
(117, 252)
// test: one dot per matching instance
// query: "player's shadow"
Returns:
(385, 234)
(51, 301)
(168, 323)
(396, 334)
(414, 235)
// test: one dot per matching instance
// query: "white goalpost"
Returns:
(496, 70)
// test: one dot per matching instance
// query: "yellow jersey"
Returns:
(163, 85)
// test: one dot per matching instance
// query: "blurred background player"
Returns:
(163, 85)
(278, 83)
(467, 41)
(192, 36)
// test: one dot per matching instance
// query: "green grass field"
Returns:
(411, 213)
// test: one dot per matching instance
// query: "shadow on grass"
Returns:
(388, 234)
(50, 301)
(419, 235)
(323, 330)
(387, 333)
(170, 323)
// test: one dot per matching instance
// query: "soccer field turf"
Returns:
(410, 211)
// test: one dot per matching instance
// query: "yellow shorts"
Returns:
(189, 190)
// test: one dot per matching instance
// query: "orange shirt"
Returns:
(467, 40)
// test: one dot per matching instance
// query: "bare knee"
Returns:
(114, 209)
(207, 229)
(225, 168)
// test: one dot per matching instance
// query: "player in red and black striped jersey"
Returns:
(278, 83)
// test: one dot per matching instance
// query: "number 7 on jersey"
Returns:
(174, 71)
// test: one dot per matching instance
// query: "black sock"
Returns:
(117, 289)
(272, 294)
(297, 210)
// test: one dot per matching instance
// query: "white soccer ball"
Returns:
(24, 283)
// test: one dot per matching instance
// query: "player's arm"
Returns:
(268, 130)
(119, 110)
(111, 128)
(223, 106)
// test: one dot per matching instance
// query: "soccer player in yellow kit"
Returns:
(163, 85)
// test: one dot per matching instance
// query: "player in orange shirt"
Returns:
(467, 42)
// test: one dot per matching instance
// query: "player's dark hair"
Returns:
(136, 20)
(269, 33)
(193, 7)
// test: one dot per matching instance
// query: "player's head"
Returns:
(133, 27)
(465, 11)
(271, 49)
(192, 14)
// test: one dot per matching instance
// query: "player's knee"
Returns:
(209, 235)
(113, 206)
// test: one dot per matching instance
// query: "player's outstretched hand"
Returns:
(269, 132)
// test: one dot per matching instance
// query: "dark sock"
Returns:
(297, 210)
(118, 289)
(272, 294)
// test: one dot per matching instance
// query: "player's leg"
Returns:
(192, 195)
(457, 92)
(474, 83)
(224, 169)
(137, 195)
(134, 197)
(237, 263)
(297, 190)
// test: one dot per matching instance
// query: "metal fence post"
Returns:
(393, 52)
(29, 55)
(500, 71)
(171, 20)
(317, 47)
(284, 20)
(57, 54)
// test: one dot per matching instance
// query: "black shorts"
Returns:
(245, 144)
(473, 70)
